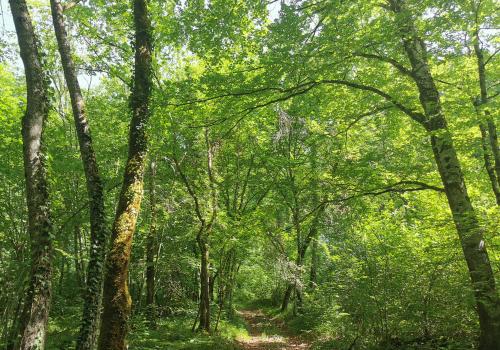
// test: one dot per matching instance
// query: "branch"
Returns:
(491, 56)
(82, 207)
(70, 5)
(417, 116)
(361, 116)
(376, 192)
(391, 188)
(190, 190)
(389, 60)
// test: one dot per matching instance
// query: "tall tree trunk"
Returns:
(313, 274)
(151, 249)
(487, 126)
(488, 162)
(92, 293)
(492, 129)
(466, 222)
(204, 311)
(116, 297)
(33, 325)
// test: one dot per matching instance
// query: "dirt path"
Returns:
(268, 334)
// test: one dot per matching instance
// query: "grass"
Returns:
(175, 333)
(172, 333)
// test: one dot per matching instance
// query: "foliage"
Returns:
(294, 156)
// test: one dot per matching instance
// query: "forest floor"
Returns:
(268, 333)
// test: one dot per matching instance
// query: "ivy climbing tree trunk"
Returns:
(116, 297)
(464, 216)
(98, 235)
(34, 317)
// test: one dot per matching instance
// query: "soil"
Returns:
(268, 333)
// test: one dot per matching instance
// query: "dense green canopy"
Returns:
(325, 170)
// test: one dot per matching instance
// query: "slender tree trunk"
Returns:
(292, 287)
(298, 285)
(466, 222)
(495, 148)
(12, 337)
(151, 249)
(204, 283)
(33, 325)
(302, 246)
(62, 271)
(116, 297)
(286, 297)
(488, 162)
(313, 274)
(211, 278)
(98, 235)
(77, 257)
(489, 142)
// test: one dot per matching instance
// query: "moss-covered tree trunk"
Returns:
(116, 297)
(34, 317)
(98, 234)
(464, 216)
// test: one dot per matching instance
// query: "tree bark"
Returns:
(77, 257)
(488, 162)
(98, 235)
(489, 142)
(492, 129)
(204, 324)
(464, 216)
(313, 274)
(151, 249)
(286, 297)
(116, 297)
(34, 317)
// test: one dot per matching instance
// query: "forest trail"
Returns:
(268, 334)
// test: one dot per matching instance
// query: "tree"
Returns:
(206, 214)
(34, 318)
(489, 138)
(151, 246)
(116, 297)
(92, 297)
(469, 230)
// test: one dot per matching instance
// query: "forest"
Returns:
(249, 174)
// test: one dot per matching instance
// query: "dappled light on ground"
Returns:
(267, 334)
